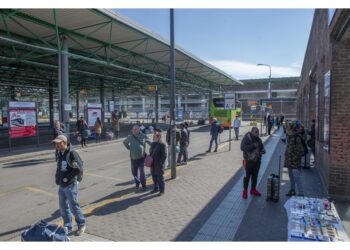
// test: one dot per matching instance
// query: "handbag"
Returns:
(79, 138)
(42, 231)
(148, 162)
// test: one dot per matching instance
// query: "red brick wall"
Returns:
(339, 182)
(324, 53)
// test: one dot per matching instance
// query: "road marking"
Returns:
(104, 177)
(37, 190)
(113, 163)
(11, 191)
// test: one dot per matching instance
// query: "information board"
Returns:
(94, 111)
(22, 119)
(230, 101)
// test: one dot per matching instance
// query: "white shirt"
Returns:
(237, 123)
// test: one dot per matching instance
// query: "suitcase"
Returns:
(273, 185)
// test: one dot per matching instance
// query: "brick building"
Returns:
(324, 95)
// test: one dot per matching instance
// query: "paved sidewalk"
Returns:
(224, 222)
(202, 204)
(135, 215)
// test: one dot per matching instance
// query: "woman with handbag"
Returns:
(98, 129)
(83, 131)
(158, 157)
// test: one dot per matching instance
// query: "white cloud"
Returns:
(242, 70)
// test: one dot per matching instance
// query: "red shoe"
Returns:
(245, 194)
(255, 192)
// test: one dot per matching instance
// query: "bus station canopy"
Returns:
(101, 46)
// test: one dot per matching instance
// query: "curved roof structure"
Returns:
(101, 45)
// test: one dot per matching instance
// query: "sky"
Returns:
(236, 40)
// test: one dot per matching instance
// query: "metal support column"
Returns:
(102, 100)
(209, 102)
(12, 93)
(77, 101)
(172, 97)
(64, 68)
(157, 107)
(51, 108)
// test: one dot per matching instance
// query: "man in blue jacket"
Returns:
(214, 132)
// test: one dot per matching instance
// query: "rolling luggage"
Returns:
(273, 185)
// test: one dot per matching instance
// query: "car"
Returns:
(19, 122)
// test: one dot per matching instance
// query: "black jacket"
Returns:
(247, 145)
(64, 170)
(158, 153)
(57, 131)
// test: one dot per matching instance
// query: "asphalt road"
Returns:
(28, 192)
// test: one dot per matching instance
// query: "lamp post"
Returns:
(269, 86)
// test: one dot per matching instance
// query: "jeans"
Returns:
(183, 152)
(213, 139)
(251, 172)
(169, 156)
(236, 133)
(137, 165)
(68, 202)
(295, 180)
(158, 180)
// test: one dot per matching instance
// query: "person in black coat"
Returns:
(57, 130)
(158, 153)
(252, 148)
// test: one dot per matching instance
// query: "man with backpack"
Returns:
(214, 132)
(68, 173)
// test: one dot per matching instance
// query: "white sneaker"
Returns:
(81, 230)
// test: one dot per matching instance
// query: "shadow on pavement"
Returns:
(192, 229)
(27, 163)
(121, 205)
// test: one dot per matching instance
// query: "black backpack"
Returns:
(74, 161)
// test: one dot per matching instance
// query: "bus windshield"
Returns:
(219, 102)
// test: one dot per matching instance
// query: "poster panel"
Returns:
(327, 83)
(93, 113)
(22, 122)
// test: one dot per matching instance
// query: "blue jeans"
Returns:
(68, 202)
(295, 180)
(214, 139)
(183, 153)
(136, 165)
(236, 133)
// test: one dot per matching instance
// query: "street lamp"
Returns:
(269, 86)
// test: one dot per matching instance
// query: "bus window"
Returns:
(219, 102)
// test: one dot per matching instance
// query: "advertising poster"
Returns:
(94, 111)
(327, 83)
(22, 122)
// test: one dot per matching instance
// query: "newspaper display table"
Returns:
(311, 219)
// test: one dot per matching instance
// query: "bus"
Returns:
(224, 117)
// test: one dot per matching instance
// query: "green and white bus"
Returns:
(224, 117)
